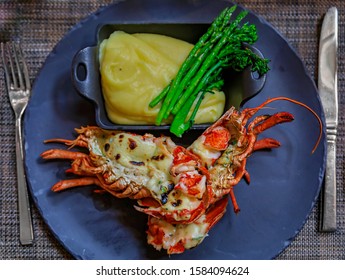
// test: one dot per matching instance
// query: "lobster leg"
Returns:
(71, 183)
(266, 143)
(118, 189)
(272, 121)
(260, 124)
(233, 200)
(62, 154)
(77, 142)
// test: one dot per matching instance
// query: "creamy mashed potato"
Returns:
(137, 67)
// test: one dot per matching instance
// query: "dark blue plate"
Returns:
(285, 182)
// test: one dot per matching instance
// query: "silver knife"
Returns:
(328, 90)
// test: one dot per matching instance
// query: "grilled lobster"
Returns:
(184, 191)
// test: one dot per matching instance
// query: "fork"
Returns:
(19, 90)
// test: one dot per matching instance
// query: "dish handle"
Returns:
(253, 83)
(85, 74)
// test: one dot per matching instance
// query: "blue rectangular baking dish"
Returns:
(86, 75)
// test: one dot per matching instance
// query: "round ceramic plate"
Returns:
(285, 182)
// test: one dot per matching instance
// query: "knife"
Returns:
(328, 90)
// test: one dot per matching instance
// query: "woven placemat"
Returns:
(41, 24)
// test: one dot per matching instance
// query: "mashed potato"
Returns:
(136, 67)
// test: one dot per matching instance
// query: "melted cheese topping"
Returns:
(145, 161)
(191, 234)
(136, 159)
(207, 155)
(135, 68)
(177, 204)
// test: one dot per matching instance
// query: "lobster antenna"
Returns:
(305, 106)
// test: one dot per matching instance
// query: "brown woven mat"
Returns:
(41, 24)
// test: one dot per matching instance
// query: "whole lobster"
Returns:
(184, 191)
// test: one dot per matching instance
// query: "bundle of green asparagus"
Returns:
(222, 46)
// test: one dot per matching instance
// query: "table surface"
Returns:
(41, 24)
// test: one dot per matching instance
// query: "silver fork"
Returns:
(19, 90)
